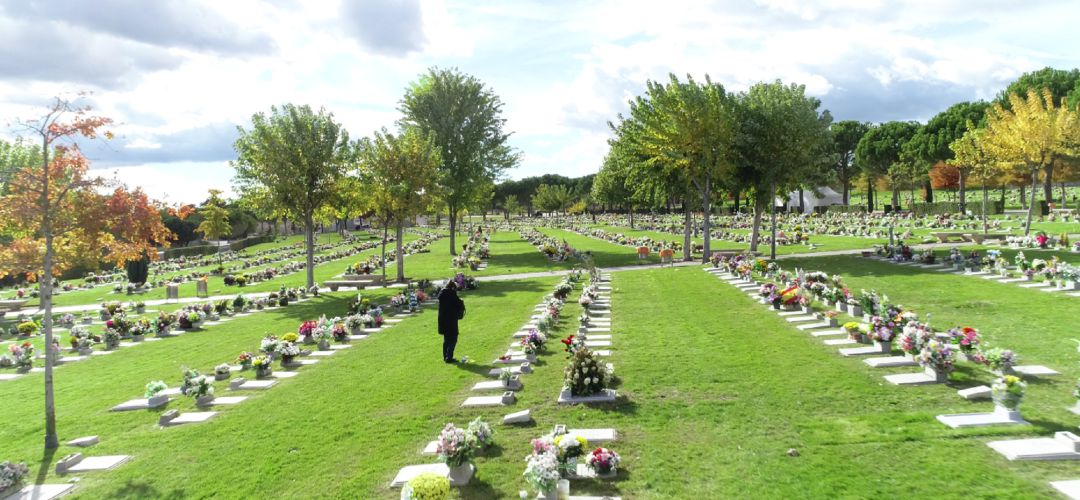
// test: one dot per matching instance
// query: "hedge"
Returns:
(845, 209)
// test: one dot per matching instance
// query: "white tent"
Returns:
(810, 200)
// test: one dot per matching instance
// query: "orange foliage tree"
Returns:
(944, 176)
(56, 218)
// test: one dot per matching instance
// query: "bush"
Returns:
(585, 374)
(937, 208)
(994, 207)
(138, 270)
(172, 253)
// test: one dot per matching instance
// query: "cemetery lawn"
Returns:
(823, 243)
(509, 255)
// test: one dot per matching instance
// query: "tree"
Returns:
(879, 150)
(552, 198)
(401, 169)
(1063, 86)
(511, 207)
(1031, 135)
(930, 144)
(215, 224)
(689, 127)
(55, 217)
(846, 135)
(945, 176)
(970, 153)
(783, 137)
(292, 160)
(465, 118)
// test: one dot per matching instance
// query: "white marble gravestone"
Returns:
(1063, 446)
(605, 396)
(41, 492)
(1070, 489)
(1000, 416)
(521, 417)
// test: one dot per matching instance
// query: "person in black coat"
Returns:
(451, 309)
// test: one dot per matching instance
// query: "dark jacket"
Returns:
(451, 309)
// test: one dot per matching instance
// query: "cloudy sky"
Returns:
(179, 76)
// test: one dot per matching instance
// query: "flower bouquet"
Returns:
(263, 366)
(269, 346)
(23, 356)
(153, 388)
(967, 340)
(481, 433)
(455, 446)
(584, 374)
(426, 486)
(1008, 392)
(603, 462)
(939, 357)
(339, 332)
(568, 447)
(111, 339)
(854, 331)
(307, 331)
(913, 337)
(288, 352)
(1001, 361)
(222, 371)
(244, 360)
(542, 472)
(11, 476)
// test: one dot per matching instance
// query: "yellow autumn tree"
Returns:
(1031, 136)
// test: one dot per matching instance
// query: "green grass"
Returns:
(604, 254)
(709, 402)
(509, 255)
(822, 243)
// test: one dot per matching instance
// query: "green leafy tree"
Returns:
(401, 170)
(846, 135)
(931, 144)
(511, 207)
(969, 154)
(551, 198)
(783, 138)
(877, 153)
(293, 159)
(465, 118)
(215, 224)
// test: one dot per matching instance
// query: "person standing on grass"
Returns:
(451, 309)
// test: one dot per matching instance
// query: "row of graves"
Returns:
(277, 359)
(1046, 275)
(886, 335)
(563, 459)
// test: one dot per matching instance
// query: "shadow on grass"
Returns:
(45, 466)
(142, 489)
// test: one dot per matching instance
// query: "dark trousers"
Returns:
(448, 344)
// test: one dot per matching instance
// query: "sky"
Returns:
(179, 77)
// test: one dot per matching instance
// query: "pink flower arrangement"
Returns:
(306, 329)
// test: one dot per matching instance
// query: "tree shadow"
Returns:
(143, 489)
(45, 466)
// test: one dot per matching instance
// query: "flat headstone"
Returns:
(192, 418)
(843, 341)
(9, 376)
(497, 385)
(597, 343)
(976, 273)
(595, 435)
(1040, 284)
(322, 354)
(84, 441)
(101, 353)
(977, 392)
(785, 314)
(606, 396)
(432, 448)
(226, 400)
(137, 404)
(861, 351)
(283, 374)
(338, 347)
(920, 378)
(99, 463)
(801, 319)
(406, 473)
(520, 417)
(1013, 280)
(1063, 446)
(513, 360)
(997, 417)
(306, 362)
(814, 326)
(70, 359)
(1070, 489)
(826, 333)
(481, 401)
(172, 391)
(1035, 371)
(41, 492)
(600, 336)
(993, 277)
(1051, 289)
(357, 337)
(603, 353)
(579, 497)
(252, 385)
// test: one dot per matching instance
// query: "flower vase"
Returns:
(138, 338)
(551, 493)
(841, 307)
(324, 345)
(940, 376)
(86, 351)
(855, 310)
(22, 369)
(460, 475)
(221, 376)
(807, 309)
(883, 347)
(1006, 401)
(263, 372)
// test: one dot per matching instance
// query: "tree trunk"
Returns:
(772, 211)
(844, 179)
(963, 193)
(1048, 183)
(869, 194)
(802, 201)
(929, 188)
(755, 233)
(1031, 207)
(1064, 201)
(1023, 199)
(400, 252)
(385, 235)
(309, 242)
(687, 254)
(895, 198)
(706, 203)
(1003, 190)
(453, 226)
(737, 193)
(52, 442)
(986, 197)
(631, 216)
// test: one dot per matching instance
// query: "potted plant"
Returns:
(881, 333)
(937, 358)
(222, 371)
(269, 346)
(854, 331)
(339, 332)
(307, 331)
(111, 339)
(355, 323)
(153, 397)
(1008, 392)
(456, 448)
(967, 339)
(426, 486)
(27, 329)
(324, 336)
(263, 366)
(140, 307)
(1001, 361)
(199, 388)
(603, 462)
(288, 352)
(244, 360)
(11, 477)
